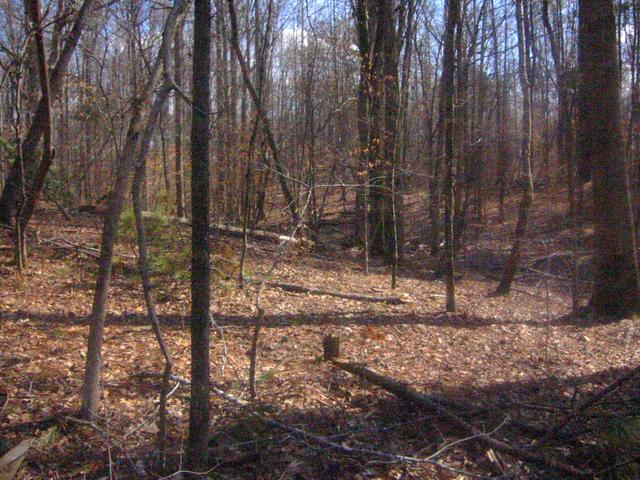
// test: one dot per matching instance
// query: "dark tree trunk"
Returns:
(616, 290)
(33, 193)
(179, 174)
(361, 15)
(200, 269)
(447, 109)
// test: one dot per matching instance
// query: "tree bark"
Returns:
(124, 164)
(179, 174)
(447, 109)
(143, 268)
(13, 183)
(200, 268)
(33, 193)
(616, 290)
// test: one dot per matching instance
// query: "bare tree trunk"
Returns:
(616, 290)
(200, 269)
(143, 268)
(524, 48)
(447, 109)
(13, 184)
(179, 174)
(33, 193)
(125, 165)
(361, 230)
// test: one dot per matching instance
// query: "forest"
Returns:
(319, 239)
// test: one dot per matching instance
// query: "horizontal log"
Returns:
(443, 407)
(234, 231)
(289, 287)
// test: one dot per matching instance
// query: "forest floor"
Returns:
(523, 356)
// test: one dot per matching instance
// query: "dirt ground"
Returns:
(523, 356)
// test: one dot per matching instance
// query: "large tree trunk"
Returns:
(616, 289)
(394, 208)
(361, 15)
(384, 117)
(200, 269)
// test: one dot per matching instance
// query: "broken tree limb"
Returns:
(259, 234)
(234, 231)
(443, 406)
(288, 287)
(588, 403)
(324, 441)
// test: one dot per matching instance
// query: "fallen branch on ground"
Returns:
(64, 244)
(591, 401)
(308, 436)
(234, 231)
(289, 287)
(405, 392)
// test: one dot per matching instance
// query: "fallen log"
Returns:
(443, 407)
(234, 231)
(308, 436)
(289, 287)
(60, 243)
(63, 244)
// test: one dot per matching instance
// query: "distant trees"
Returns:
(525, 74)
(616, 290)
(29, 142)
(369, 103)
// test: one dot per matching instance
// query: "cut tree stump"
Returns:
(331, 347)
